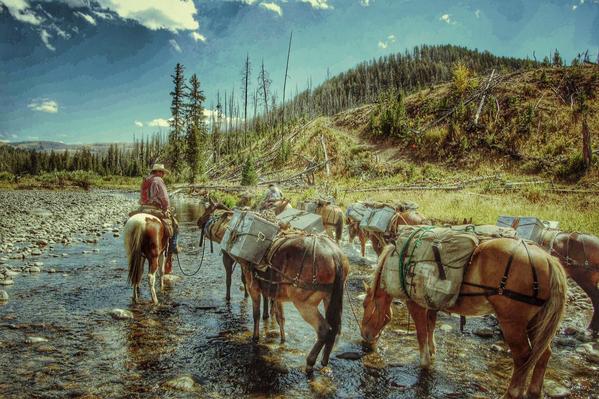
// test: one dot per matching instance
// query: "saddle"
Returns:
(165, 217)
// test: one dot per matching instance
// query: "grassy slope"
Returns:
(362, 161)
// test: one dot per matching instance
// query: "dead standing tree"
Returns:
(264, 88)
(245, 81)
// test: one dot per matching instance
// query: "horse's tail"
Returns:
(546, 322)
(339, 226)
(134, 233)
(335, 309)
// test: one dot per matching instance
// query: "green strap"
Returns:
(403, 265)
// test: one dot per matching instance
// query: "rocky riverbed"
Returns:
(68, 328)
(38, 224)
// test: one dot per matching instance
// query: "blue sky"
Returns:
(83, 71)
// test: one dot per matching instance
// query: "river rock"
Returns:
(36, 252)
(33, 269)
(121, 314)
(350, 355)
(590, 352)
(3, 296)
(36, 340)
(567, 342)
(184, 383)
(484, 332)
(555, 390)
(445, 328)
(7, 281)
(171, 279)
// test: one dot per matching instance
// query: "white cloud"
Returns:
(365, 3)
(103, 15)
(250, 2)
(477, 13)
(198, 37)
(385, 43)
(86, 17)
(173, 15)
(574, 7)
(158, 122)
(447, 19)
(175, 45)
(45, 36)
(139, 124)
(21, 11)
(44, 105)
(319, 4)
(272, 7)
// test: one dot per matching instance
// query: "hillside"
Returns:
(530, 123)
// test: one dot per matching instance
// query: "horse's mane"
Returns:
(376, 279)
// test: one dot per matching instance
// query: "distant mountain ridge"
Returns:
(47, 146)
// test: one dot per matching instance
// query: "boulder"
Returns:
(121, 314)
(555, 390)
(484, 332)
(36, 340)
(184, 383)
(3, 296)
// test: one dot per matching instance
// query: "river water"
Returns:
(194, 333)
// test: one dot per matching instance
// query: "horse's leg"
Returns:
(244, 282)
(312, 316)
(432, 320)
(135, 293)
(152, 278)
(279, 315)
(535, 389)
(161, 269)
(588, 282)
(254, 290)
(228, 264)
(328, 346)
(265, 313)
(419, 314)
(362, 238)
(515, 335)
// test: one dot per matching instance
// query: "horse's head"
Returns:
(207, 209)
(377, 313)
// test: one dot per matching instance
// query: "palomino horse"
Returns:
(498, 279)
(579, 255)
(332, 218)
(289, 278)
(146, 238)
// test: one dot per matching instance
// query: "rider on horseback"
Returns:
(155, 195)
(273, 195)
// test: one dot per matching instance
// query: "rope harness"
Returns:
(569, 261)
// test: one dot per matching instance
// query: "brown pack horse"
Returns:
(528, 322)
(379, 240)
(146, 238)
(332, 218)
(306, 284)
(579, 255)
(216, 228)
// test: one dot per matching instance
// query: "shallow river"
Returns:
(195, 333)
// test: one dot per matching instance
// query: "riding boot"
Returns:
(173, 244)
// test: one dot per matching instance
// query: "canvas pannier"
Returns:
(528, 228)
(427, 265)
(302, 220)
(357, 211)
(248, 236)
(377, 219)
(487, 231)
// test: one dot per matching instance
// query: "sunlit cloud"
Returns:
(159, 122)
(86, 17)
(175, 45)
(320, 4)
(383, 44)
(139, 124)
(274, 7)
(198, 37)
(44, 105)
(447, 19)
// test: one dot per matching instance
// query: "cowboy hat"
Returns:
(159, 167)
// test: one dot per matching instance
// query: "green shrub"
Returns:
(573, 168)
(390, 118)
(249, 177)
(6, 176)
(224, 198)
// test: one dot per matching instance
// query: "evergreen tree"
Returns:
(557, 59)
(175, 142)
(196, 137)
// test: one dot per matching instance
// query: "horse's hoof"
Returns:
(282, 341)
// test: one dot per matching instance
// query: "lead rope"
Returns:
(201, 260)
(351, 306)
